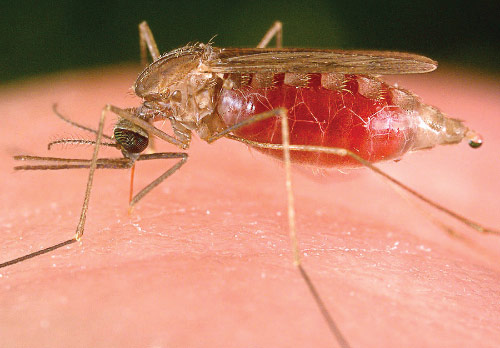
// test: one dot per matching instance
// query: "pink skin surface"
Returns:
(204, 260)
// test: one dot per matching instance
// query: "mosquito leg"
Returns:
(283, 114)
(246, 122)
(147, 43)
(293, 235)
(83, 214)
(93, 166)
(288, 182)
(49, 159)
(146, 126)
(446, 228)
(107, 163)
(162, 155)
(344, 152)
(275, 30)
(78, 142)
(74, 124)
(72, 163)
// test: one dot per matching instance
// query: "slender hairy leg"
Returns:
(275, 30)
(282, 113)
(334, 329)
(77, 142)
(83, 214)
(162, 155)
(72, 163)
(147, 43)
(93, 164)
(344, 152)
(75, 124)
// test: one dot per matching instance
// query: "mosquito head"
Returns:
(131, 138)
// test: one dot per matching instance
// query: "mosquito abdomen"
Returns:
(358, 113)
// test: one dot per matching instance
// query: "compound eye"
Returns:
(131, 141)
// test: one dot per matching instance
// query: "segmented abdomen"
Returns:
(354, 112)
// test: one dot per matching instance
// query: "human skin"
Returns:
(204, 260)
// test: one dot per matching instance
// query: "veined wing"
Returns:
(306, 60)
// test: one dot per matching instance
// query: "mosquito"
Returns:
(315, 107)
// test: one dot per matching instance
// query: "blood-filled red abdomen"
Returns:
(358, 115)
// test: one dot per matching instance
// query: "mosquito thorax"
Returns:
(132, 139)
(178, 86)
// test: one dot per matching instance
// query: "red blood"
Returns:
(375, 129)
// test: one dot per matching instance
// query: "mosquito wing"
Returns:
(305, 60)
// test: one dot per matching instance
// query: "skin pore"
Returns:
(205, 260)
